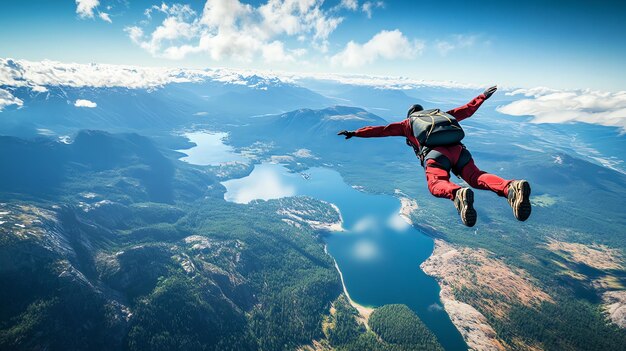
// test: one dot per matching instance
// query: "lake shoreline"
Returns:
(364, 311)
(329, 226)
(376, 252)
(472, 324)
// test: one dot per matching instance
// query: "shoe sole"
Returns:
(468, 213)
(521, 205)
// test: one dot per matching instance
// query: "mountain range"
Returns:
(109, 241)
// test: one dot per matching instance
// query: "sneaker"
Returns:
(519, 199)
(464, 203)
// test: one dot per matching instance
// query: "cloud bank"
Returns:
(230, 29)
(7, 99)
(553, 106)
(274, 31)
(38, 75)
(545, 105)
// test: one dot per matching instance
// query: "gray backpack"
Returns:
(435, 128)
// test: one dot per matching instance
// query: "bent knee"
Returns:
(472, 180)
(432, 184)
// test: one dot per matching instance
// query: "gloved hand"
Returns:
(489, 91)
(346, 133)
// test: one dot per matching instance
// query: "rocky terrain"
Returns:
(615, 306)
(499, 286)
(606, 262)
(593, 255)
(298, 212)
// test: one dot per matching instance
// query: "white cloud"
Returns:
(275, 52)
(218, 14)
(7, 99)
(172, 28)
(367, 223)
(177, 10)
(365, 250)
(304, 153)
(455, 42)
(444, 47)
(265, 184)
(39, 89)
(163, 8)
(37, 75)
(383, 82)
(349, 4)
(135, 34)
(20, 73)
(553, 106)
(229, 44)
(85, 103)
(88, 9)
(386, 44)
(396, 222)
(175, 26)
(534, 92)
(105, 17)
(435, 307)
(85, 8)
(229, 29)
(369, 5)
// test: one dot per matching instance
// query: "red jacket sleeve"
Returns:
(393, 129)
(465, 111)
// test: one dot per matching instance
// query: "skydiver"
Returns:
(436, 136)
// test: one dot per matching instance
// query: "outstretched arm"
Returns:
(467, 110)
(393, 129)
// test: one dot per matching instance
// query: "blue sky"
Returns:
(559, 44)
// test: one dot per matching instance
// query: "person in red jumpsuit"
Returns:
(456, 158)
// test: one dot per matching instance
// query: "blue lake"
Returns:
(379, 254)
(210, 149)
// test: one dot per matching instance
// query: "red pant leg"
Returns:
(482, 180)
(439, 181)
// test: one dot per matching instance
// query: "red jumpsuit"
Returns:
(438, 178)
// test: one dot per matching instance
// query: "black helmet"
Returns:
(414, 108)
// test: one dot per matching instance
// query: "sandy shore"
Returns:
(407, 206)
(296, 218)
(329, 226)
(364, 311)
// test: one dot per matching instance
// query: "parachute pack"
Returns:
(435, 128)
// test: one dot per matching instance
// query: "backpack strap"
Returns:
(425, 153)
(420, 152)
(415, 148)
